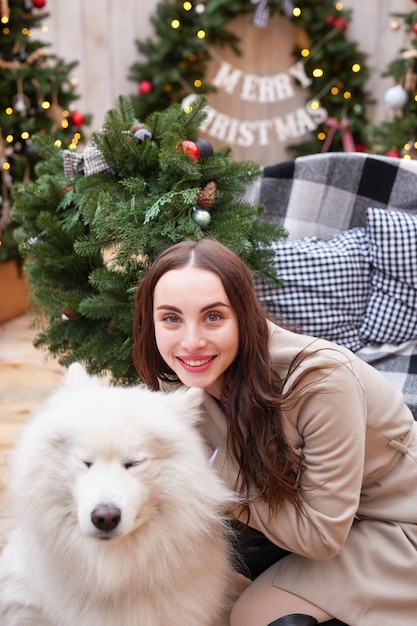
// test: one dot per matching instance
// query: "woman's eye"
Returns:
(171, 319)
(214, 317)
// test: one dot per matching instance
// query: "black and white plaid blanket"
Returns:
(323, 194)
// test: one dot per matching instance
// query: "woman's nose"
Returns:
(193, 338)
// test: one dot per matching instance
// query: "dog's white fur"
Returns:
(165, 563)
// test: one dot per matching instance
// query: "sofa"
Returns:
(349, 265)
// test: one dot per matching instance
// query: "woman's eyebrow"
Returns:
(214, 305)
(170, 307)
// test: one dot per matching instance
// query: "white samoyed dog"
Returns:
(120, 518)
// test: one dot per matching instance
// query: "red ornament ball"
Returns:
(191, 148)
(341, 23)
(39, 4)
(394, 153)
(77, 119)
(415, 28)
(144, 87)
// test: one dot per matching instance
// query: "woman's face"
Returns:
(196, 329)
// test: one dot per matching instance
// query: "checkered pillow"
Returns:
(325, 285)
(391, 312)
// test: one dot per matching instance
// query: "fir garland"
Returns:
(176, 58)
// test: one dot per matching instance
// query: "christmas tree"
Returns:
(35, 97)
(397, 136)
(174, 62)
(91, 223)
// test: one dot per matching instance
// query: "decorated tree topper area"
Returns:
(93, 221)
(316, 102)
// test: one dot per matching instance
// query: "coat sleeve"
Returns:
(329, 430)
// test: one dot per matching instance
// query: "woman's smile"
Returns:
(196, 328)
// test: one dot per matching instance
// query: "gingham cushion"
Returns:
(325, 288)
(391, 312)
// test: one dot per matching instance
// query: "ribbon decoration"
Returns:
(287, 7)
(90, 162)
(342, 126)
(261, 14)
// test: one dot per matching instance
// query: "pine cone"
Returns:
(207, 196)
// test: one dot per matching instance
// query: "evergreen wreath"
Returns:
(91, 223)
(175, 60)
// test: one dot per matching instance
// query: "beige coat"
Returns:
(355, 545)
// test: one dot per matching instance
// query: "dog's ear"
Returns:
(77, 376)
(189, 402)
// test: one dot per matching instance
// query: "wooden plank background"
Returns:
(101, 35)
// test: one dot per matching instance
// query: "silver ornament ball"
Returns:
(201, 217)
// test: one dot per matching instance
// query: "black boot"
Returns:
(333, 622)
(296, 619)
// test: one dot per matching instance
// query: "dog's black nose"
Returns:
(106, 517)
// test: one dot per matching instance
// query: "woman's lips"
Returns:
(194, 364)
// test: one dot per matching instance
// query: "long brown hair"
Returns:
(251, 389)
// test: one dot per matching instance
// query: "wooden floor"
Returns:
(27, 376)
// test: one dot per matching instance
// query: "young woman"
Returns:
(320, 446)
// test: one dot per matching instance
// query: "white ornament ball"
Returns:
(396, 97)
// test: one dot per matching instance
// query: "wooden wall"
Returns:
(101, 35)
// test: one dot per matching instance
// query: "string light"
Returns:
(175, 24)
(296, 11)
(197, 83)
(347, 95)
(305, 52)
(187, 6)
(25, 135)
(201, 34)
(6, 165)
(334, 91)
(356, 67)
(318, 72)
(9, 111)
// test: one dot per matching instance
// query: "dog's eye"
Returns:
(135, 463)
(88, 464)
